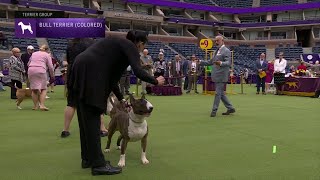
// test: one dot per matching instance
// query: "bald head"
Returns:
(219, 41)
(145, 52)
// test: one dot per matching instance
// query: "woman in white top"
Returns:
(279, 73)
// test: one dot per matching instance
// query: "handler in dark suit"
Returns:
(95, 73)
(261, 68)
(221, 63)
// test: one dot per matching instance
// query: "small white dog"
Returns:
(25, 27)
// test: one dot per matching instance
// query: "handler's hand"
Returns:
(218, 63)
(161, 80)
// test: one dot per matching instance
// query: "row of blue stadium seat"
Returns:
(58, 47)
(290, 53)
(205, 2)
(154, 49)
(316, 49)
(277, 2)
(234, 3)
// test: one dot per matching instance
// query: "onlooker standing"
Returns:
(279, 73)
(269, 77)
(177, 71)
(261, 68)
(25, 58)
(1, 75)
(125, 81)
(3, 39)
(193, 72)
(185, 66)
(146, 62)
(56, 66)
(40, 62)
(16, 71)
(160, 66)
(246, 75)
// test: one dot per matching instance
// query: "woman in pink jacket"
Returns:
(40, 62)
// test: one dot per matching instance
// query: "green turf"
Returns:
(184, 142)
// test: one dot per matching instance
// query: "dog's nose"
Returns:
(150, 109)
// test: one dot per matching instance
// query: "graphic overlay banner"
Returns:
(39, 14)
(59, 28)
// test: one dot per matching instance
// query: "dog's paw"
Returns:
(18, 107)
(121, 163)
(106, 150)
(119, 148)
(145, 161)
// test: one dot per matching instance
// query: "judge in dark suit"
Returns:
(176, 71)
(261, 67)
(221, 64)
(95, 73)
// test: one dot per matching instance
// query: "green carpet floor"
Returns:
(184, 142)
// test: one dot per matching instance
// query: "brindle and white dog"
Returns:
(131, 124)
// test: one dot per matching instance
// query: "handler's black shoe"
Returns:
(229, 112)
(85, 164)
(65, 134)
(106, 170)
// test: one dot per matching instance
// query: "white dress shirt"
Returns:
(280, 67)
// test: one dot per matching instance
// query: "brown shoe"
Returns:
(229, 112)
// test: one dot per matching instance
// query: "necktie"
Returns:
(178, 66)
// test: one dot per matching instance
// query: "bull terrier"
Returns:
(132, 126)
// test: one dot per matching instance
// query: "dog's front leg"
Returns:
(122, 161)
(144, 147)
(110, 134)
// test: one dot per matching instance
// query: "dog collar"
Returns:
(132, 119)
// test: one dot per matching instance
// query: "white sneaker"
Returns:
(47, 97)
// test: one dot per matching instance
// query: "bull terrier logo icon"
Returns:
(25, 27)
